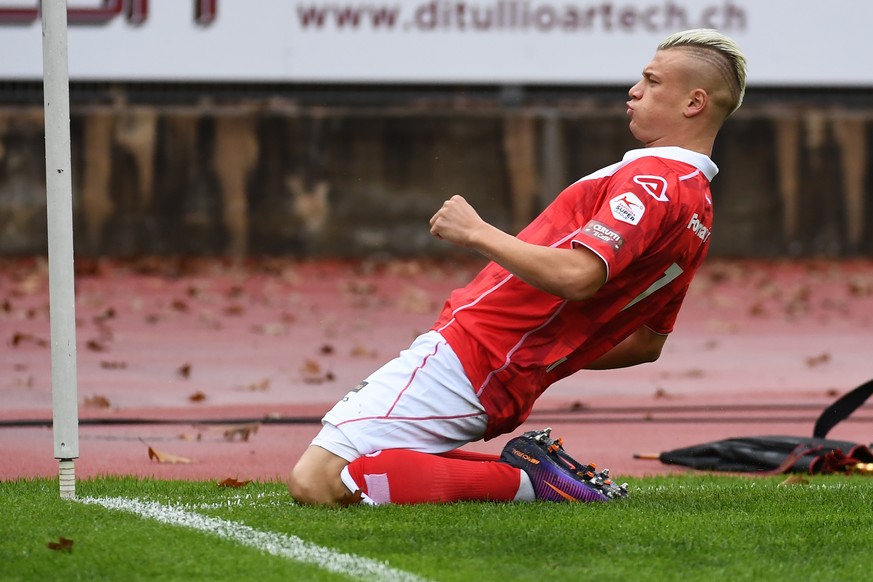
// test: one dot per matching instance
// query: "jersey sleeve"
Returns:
(632, 214)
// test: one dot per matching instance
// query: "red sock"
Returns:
(469, 456)
(404, 476)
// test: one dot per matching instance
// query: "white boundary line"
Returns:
(276, 544)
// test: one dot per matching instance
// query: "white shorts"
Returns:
(421, 401)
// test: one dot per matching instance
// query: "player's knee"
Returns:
(306, 488)
(316, 485)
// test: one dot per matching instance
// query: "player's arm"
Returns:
(642, 346)
(573, 274)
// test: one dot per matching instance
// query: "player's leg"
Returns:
(421, 402)
(407, 477)
(315, 479)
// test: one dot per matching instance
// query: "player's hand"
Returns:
(456, 221)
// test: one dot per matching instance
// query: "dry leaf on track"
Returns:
(244, 431)
(313, 373)
(97, 401)
(168, 458)
(95, 346)
(21, 338)
(113, 365)
(260, 386)
(184, 371)
(822, 358)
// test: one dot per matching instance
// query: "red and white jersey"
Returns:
(649, 217)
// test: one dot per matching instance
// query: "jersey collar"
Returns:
(699, 161)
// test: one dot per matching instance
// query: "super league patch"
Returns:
(602, 232)
(627, 208)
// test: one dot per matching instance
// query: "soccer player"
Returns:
(595, 282)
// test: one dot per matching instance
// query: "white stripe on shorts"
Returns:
(421, 401)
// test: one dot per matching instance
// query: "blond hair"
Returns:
(720, 51)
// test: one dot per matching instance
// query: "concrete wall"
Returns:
(278, 179)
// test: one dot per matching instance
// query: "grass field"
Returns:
(687, 527)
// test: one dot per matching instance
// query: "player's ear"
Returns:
(697, 100)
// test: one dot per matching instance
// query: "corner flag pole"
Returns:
(59, 206)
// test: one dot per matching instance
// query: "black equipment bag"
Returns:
(784, 454)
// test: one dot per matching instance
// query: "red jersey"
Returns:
(649, 219)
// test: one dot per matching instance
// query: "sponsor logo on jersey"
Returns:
(627, 208)
(702, 231)
(602, 232)
(655, 186)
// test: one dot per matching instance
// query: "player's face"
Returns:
(658, 100)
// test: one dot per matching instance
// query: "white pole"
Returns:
(59, 205)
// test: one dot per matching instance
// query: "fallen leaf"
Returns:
(197, 397)
(414, 300)
(162, 457)
(352, 499)
(327, 349)
(95, 346)
(113, 365)
(261, 386)
(662, 394)
(187, 436)
(357, 287)
(273, 329)
(795, 480)
(105, 316)
(26, 382)
(184, 371)
(861, 287)
(19, 338)
(312, 372)
(757, 310)
(710, 344)
(234, 310)
(231, 482)
(97, 402)
(62, 545)
(362, 352)
(822, 358)
(243, 431)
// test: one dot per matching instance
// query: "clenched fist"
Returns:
(456, 221)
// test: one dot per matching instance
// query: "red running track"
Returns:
(759, 348)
